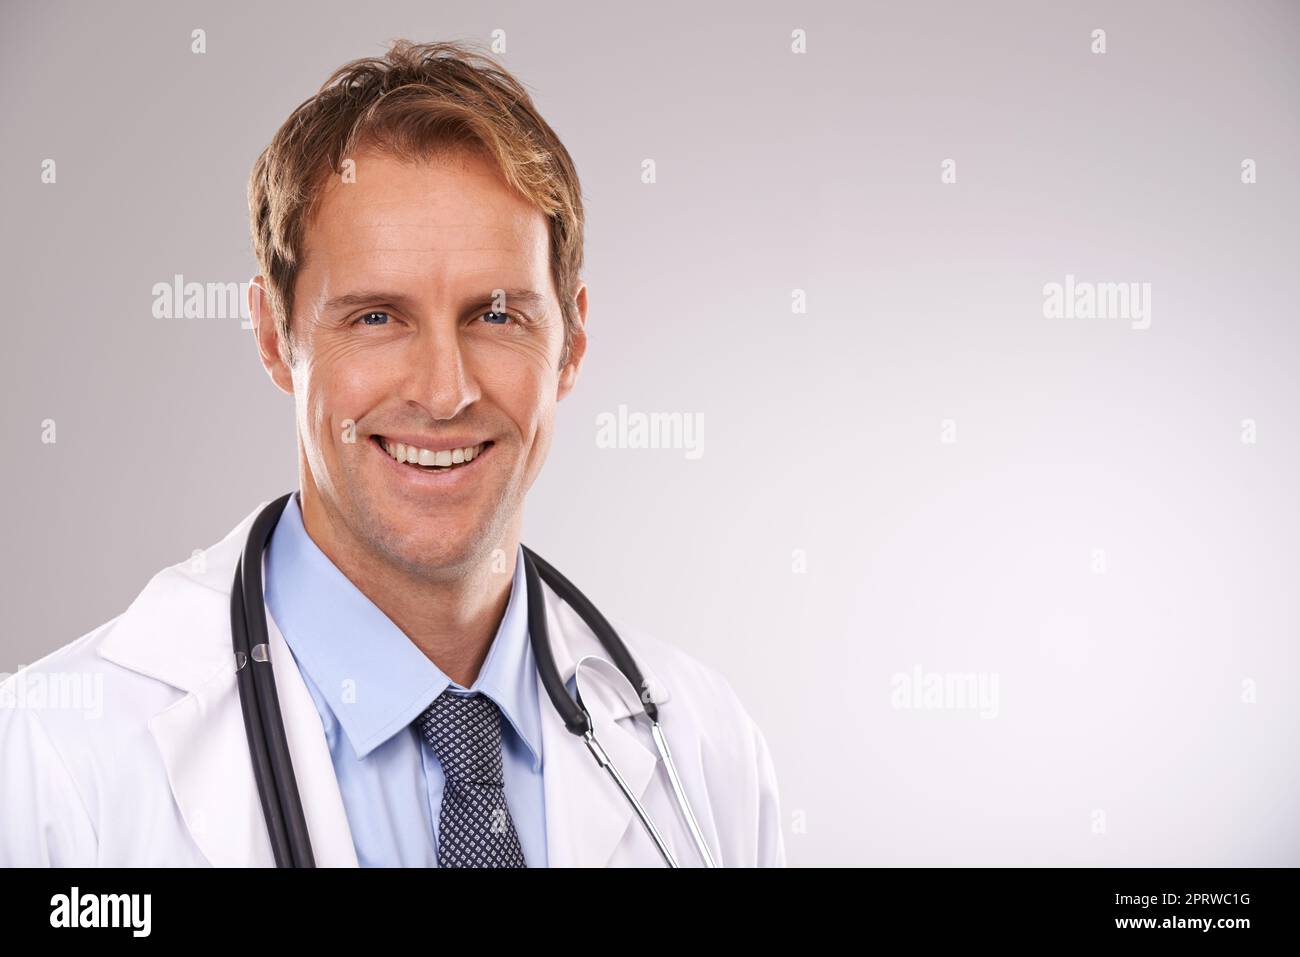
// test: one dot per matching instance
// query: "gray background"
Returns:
(1119, 693)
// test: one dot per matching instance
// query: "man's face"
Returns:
(424, 313)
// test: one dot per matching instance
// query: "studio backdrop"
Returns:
(942, 385)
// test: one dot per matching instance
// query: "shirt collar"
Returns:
(373, 676)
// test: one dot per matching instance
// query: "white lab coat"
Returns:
(161, 775)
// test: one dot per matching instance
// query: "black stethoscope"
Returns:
(281, 802)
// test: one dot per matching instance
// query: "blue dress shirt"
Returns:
(370, 681)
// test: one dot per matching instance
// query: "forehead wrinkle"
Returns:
(406, 248)
(434, 224)
(522, 238)
(517, 253)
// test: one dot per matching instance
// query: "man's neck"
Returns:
(452, 621)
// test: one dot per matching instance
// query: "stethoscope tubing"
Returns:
(286, 822)
(604, 760)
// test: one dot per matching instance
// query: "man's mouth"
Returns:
(443, 460)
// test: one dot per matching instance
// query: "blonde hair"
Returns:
(416, 101)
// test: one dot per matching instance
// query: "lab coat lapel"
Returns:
(178, 631)
(587, 816)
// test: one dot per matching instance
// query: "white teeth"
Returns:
(417, 456)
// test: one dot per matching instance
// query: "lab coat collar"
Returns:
(178, 631)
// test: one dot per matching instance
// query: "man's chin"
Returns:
(430, 556)
(452, 541)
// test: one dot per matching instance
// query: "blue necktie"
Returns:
(474, 825)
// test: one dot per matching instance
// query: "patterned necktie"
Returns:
(474, 825)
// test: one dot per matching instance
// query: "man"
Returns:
(419, 231)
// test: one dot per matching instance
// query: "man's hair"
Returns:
(416, 102)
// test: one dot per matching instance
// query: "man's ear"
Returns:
(268, 335)
(578, 349)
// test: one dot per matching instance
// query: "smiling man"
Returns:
(427, 348)
(419, 231)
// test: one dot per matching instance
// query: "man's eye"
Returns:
(496, 318)
(365, 319)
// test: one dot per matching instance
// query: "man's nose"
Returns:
(437, 376)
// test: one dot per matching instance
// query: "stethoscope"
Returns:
(282, 804)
